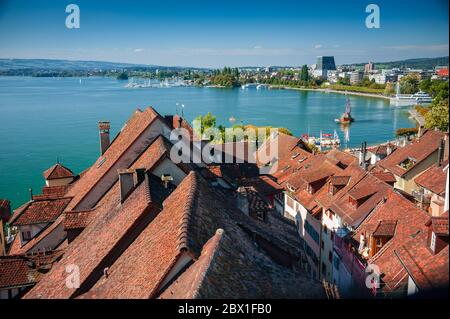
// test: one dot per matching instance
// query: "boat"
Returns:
(325, 139)
(410, 99)
(346, 117)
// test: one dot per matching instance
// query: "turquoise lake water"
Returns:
(43, 119)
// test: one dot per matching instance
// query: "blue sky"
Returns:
(217, 33)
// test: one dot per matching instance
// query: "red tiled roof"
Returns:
(433, 179)
(98, 242)
(367, 189)
(382, 149)
(418, 150)
(78, 219)
(40, 211)
(57, 171)
(21, 271)
(51, 192)
(134, 128)
(14, 272)
(356, 173)
(386, 177)
(410, 226)
(291, 154)
(179, 226)
(339, 180)
(385, 228)
(439, 225)
(227, 270)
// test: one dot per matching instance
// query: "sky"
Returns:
(218, 33)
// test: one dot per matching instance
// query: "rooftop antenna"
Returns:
(182, 110)
(57, 159)
(176, 107)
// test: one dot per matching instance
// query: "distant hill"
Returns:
(420, 63)
(72, 65)
(46, 64)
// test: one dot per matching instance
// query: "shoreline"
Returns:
(281, 87)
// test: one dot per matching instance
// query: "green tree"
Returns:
(389, 89)
(437, 117)
(304, 75)
(409, 84)
(122, 76)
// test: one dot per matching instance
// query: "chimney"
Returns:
(180, 121)
(31, 193)
(388, 149)
(104, 136)
(361, 154)
(441, 152)
(126, 183)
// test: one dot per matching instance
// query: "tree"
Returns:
(304, 75)
(409, 84)
(389, 89)
(122, 76)
(437, 117)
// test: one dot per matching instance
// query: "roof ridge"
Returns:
(215, 241)
(189, 205)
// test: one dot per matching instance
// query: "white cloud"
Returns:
(317, 46)
(138, 50)
(257, 47)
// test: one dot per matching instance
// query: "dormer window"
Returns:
(433, 242)
(408, 163)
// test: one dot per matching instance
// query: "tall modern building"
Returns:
(323, 65)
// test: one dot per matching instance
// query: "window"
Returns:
(26, 235)
(332, 235)
(324, 269)
(322, 244)
(330, 256)
(433, 242)
(311, 232)
(325, 229)
(336, 263)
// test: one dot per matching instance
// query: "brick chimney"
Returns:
(104, 136)
(126, 183)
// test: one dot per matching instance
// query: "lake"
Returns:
(45, 119)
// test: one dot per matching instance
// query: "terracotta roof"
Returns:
(21, 271)
(356, 173)
(315, 172)
(368, 190)
(100, 242)
(77, 219)
(133, 128)
(385, 228)
(410, 226)
(40, 211)
(51, 192)
(382, 149)
(264, 185)
(387, 177)
(57, 171)
(291, 154)
(433, 179)
(140, 270)
(227, 270)
(339, 180)
(190, 217)
(439, 225)
(418, 151)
